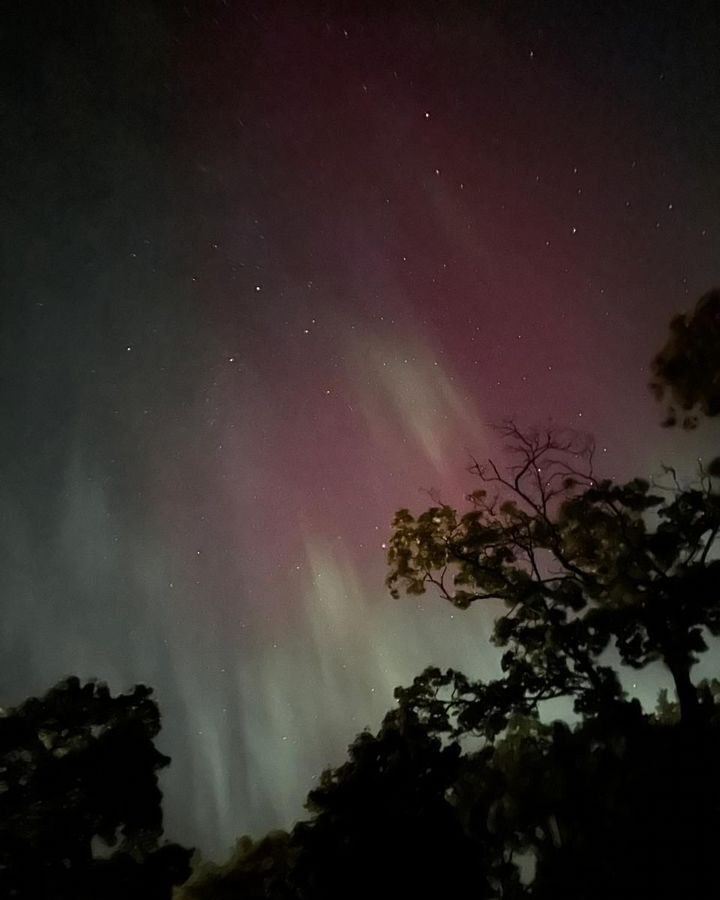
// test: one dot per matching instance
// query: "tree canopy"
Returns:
(578, 565)
(686, 371)
(619, 805)
(80, 807)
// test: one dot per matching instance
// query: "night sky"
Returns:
(270, 271)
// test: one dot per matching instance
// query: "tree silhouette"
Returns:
(687, 368)
(80, 807)
(255, 869)
(382, 824)
(579, 565)
(618, 806)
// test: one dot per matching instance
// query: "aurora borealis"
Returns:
(271, 270)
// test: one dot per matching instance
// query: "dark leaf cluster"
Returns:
(80, 806)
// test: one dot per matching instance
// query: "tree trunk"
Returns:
(686, 692)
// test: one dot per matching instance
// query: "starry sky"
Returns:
(270, 272)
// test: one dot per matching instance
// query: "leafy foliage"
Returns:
(618, 805)
(614, 807)
(380, 825)
(687, 368)
(579, 565)
(255, 869)
(80, 813)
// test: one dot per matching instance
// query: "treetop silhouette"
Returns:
(80, 806)
(578, 564)
(687, 368)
